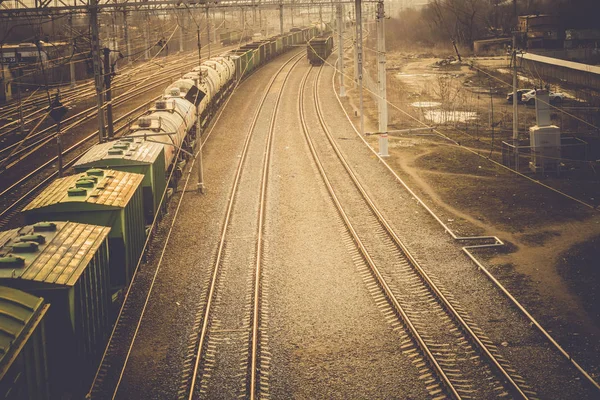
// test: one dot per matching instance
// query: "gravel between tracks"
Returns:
(157, 360)
(550, 375)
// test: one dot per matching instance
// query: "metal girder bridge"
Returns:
(46, 8)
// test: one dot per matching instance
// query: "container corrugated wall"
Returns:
(134, 234)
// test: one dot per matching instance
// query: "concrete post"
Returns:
(95, 44)
(340, 23)
(381, 72)
(359, 61)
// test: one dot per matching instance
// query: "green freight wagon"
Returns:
(244, 62)
(66, 263)
(318, 49)
(23, 362)
(99, 197)
(259, 52)
(136, 156)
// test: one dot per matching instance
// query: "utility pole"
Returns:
(127, 38)
(57, 113)
(208, 31)
(18, 89)
(71, 61)
(340, 18)
(515, 101)
(200, 186)
(359, 61)
(95, 44)
(381, 73)
(108, 92)
(146, 37)
(181, 33)
(115, 44)
(355, 40)
(281, 18)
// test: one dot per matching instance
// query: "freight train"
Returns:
(84, 233)
(319, 48)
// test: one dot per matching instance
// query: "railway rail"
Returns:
(464, 361)
(208, 313)
(112, 369)
(25, 186)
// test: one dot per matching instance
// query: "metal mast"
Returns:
(340, 24)
(359, 60)
(95, 43)
(381, 74)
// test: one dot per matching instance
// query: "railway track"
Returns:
(454, 356)
(112, 371)
(16, 193)
(13, 153)
(45, 176)
(219, 315)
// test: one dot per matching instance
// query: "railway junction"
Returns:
(271, 249)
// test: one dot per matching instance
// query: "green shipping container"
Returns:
(66, 263)
(136, 156)
(99, 197)
(23, 361)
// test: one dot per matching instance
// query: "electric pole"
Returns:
(281, 18)
(340, 18)
(127, 38)
(359, 61)
(95, 44)
(515, 100)
(108, 73)
(208, 31)
(381, 73)
(71, 61)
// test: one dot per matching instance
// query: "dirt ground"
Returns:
(550, 261)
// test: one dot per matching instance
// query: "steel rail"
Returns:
(9, 209)
(387, 291)
(467, 250)
(413, 262)
(228, 214)
(88, 113)
(79, 118)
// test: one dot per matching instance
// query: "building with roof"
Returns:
(66, 263)
(99, 197)
(23, 363)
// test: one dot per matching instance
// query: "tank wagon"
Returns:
(170, 124)
(99, 197)
(102, 211)
(318, 49)
(23, 363)
(66, 263)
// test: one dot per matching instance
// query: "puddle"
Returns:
(404, 75)
(443, 117)
(426, 104)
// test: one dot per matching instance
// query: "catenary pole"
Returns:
(381, 73)
(359, 61)
(95, 44)
(340, 18)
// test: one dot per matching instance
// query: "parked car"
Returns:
(529, 97)
(520, 93)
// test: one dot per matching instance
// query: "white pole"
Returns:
(95, 44)
(515, 102)
(359, 61)
(381, 73)
(340, 18)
